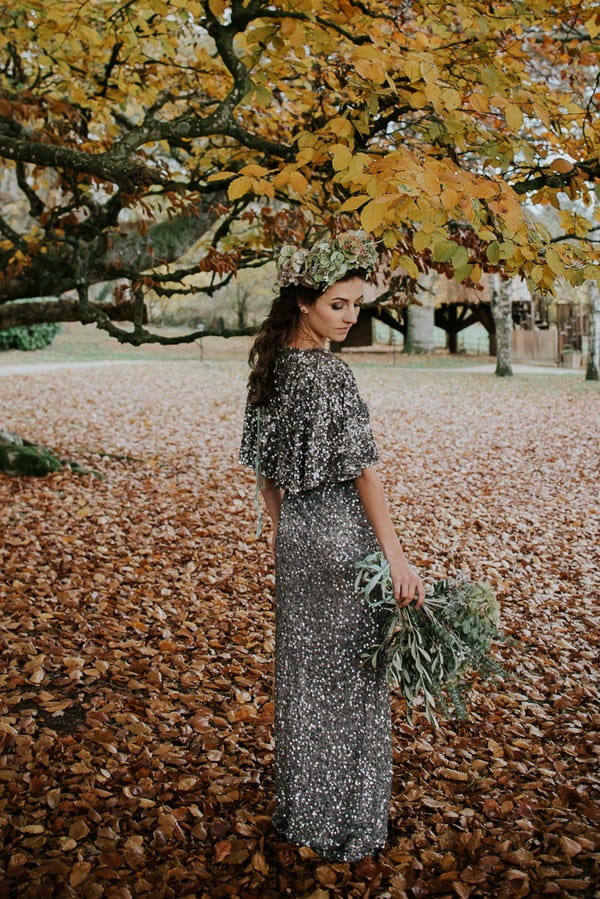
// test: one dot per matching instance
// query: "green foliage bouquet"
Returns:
(429, 650)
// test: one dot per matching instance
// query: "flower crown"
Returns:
(327, 261)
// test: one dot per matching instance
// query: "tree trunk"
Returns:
(502, 312)
(419, 336)
(593, 366)
(419, 332)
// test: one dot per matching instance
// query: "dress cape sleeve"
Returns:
(314, 430)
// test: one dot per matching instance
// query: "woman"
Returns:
(307, 434)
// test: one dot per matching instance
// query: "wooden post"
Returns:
(452, 329)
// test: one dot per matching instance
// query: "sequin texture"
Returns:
(332, 717)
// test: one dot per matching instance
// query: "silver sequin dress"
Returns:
(333, 760)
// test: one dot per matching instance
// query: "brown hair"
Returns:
(275, 332)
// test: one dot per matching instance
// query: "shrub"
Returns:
(28, 337)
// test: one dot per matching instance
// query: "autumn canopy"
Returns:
(133, 133)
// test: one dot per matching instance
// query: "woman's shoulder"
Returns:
(316, 362)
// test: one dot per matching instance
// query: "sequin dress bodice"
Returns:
(314, 429)
(333, 759)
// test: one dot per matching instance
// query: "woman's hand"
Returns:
(406, 583)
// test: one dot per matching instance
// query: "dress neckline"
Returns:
(306, 349)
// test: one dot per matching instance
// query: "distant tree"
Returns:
(240, 304)
(502, 313)
(593, 366)
(148, 141)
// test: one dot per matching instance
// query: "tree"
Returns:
(593, 366)
(136, 132)
(420, 335)
(502, 313)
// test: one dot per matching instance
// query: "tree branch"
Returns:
(112, 62)
(12, 235)
(91, 313)
(61, 310)
(557, 180)
(358, 40)
(36, 206)
(109, 166)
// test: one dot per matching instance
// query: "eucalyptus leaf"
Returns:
(429, 651)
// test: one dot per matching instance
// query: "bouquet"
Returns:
(429, 650)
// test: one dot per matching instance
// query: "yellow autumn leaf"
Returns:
(449, 198)
(451, 98)
(253, 170)
(340, 126)
(217, 7)
(479, 102)
(484, 189)
(161, 8)
(421, 240)
(306, 155)
(476, 274)
(593, 26)
(370, 70)
(218, 176)
(409, 266)
(554, 261)
(561, 165)
(262, 186)
(298, 182)
(536, 273)
(288, 27)
(514, 117)
(239, 187)
(366, 51)
(373, 214)
(353, 203)
(281, 179)
(342, 158)
(418, 100)
(263, 96)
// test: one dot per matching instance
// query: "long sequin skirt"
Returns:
(333, 759)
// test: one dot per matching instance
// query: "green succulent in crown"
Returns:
(327, 261)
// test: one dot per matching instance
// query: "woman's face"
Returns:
(334, 312)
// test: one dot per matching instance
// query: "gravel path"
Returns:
(29, 368)
(32, 368)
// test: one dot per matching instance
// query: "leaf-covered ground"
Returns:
(136, 641)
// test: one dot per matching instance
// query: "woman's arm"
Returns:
(272, 496)
(407, 583)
